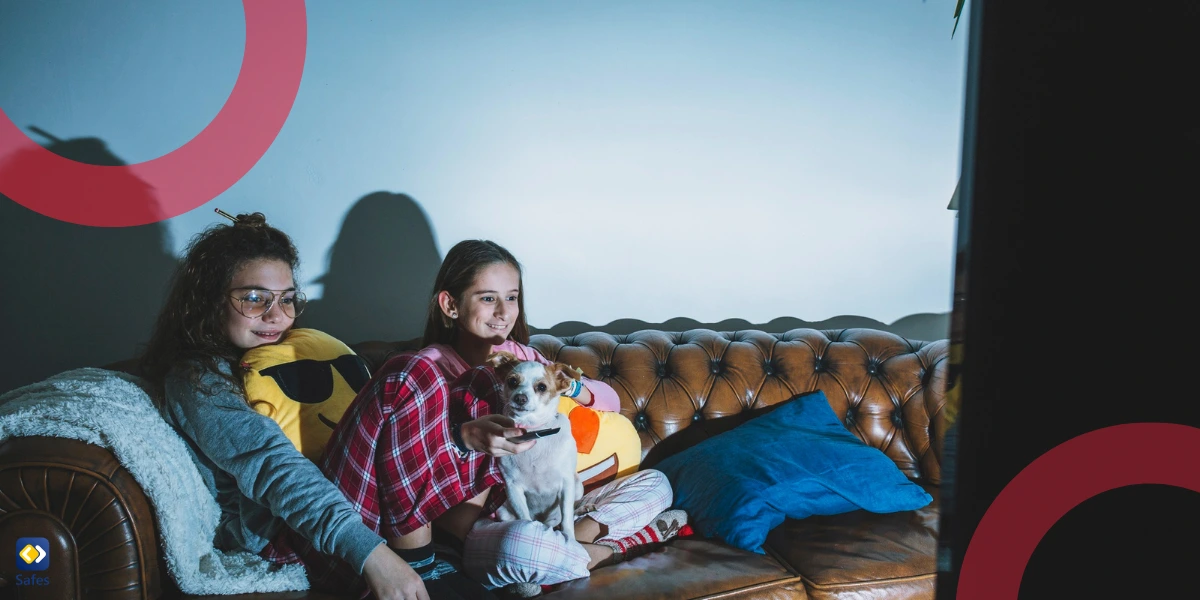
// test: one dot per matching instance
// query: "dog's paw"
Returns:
(504, 513)
(523, 590)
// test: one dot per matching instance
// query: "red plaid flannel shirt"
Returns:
(393, 456)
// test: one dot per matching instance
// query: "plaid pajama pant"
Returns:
(499, 553)
(393, 457)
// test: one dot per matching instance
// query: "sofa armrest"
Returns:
(100, 525)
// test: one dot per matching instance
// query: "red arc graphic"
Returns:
(1059, 480)
(198, 171)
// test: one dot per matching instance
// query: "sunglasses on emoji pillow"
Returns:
(304, 383)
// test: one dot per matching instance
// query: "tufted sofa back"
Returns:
(888, 390)
(677, 388)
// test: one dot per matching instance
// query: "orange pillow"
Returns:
(607, 443)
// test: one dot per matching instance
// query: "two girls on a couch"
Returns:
(415, 447)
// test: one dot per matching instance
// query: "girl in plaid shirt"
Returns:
(416, 447)
(477, 309)
(235, 290)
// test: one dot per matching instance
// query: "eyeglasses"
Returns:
(251, 302)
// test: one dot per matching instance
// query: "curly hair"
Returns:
(458, 272)
(190, 329)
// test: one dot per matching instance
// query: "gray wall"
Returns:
(652, 164)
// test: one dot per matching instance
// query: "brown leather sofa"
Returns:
(677, 388)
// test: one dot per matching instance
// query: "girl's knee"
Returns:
(522, 551)
(516, 539)
(657, 487)
(652, 477)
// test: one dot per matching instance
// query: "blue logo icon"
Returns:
(33, 554)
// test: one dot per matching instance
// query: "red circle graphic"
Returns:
(198, 171)
(1061, 479)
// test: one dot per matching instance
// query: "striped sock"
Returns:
(425, 562)
(661, 528)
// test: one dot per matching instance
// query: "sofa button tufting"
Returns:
(661, 370)
(769, 368)
(844, 387)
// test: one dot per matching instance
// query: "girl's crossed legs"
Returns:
(500, 553)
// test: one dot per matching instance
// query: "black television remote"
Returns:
(532, 435)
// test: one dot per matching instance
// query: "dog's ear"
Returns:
(502, 361)
(563, 374)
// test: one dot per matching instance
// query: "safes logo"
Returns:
(33, 554)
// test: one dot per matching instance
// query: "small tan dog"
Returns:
(541, 482)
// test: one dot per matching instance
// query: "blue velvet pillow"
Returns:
(795, 461)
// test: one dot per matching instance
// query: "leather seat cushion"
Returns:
(687, 568)
(863, 555)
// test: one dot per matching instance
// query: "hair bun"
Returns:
(251, 220)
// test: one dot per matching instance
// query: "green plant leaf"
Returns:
(957, 14)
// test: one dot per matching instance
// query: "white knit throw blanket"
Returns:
(114, 410)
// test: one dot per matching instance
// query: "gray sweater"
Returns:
(258, 477)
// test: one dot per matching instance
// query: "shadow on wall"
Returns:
(381, 272)
(923, 326)
(76, 295)
(382, 267)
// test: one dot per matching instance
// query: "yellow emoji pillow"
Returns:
(304, 383)
(608, 445)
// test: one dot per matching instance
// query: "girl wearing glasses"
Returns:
(413, 448)
(235, 290)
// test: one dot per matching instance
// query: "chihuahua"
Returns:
(542, 482)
